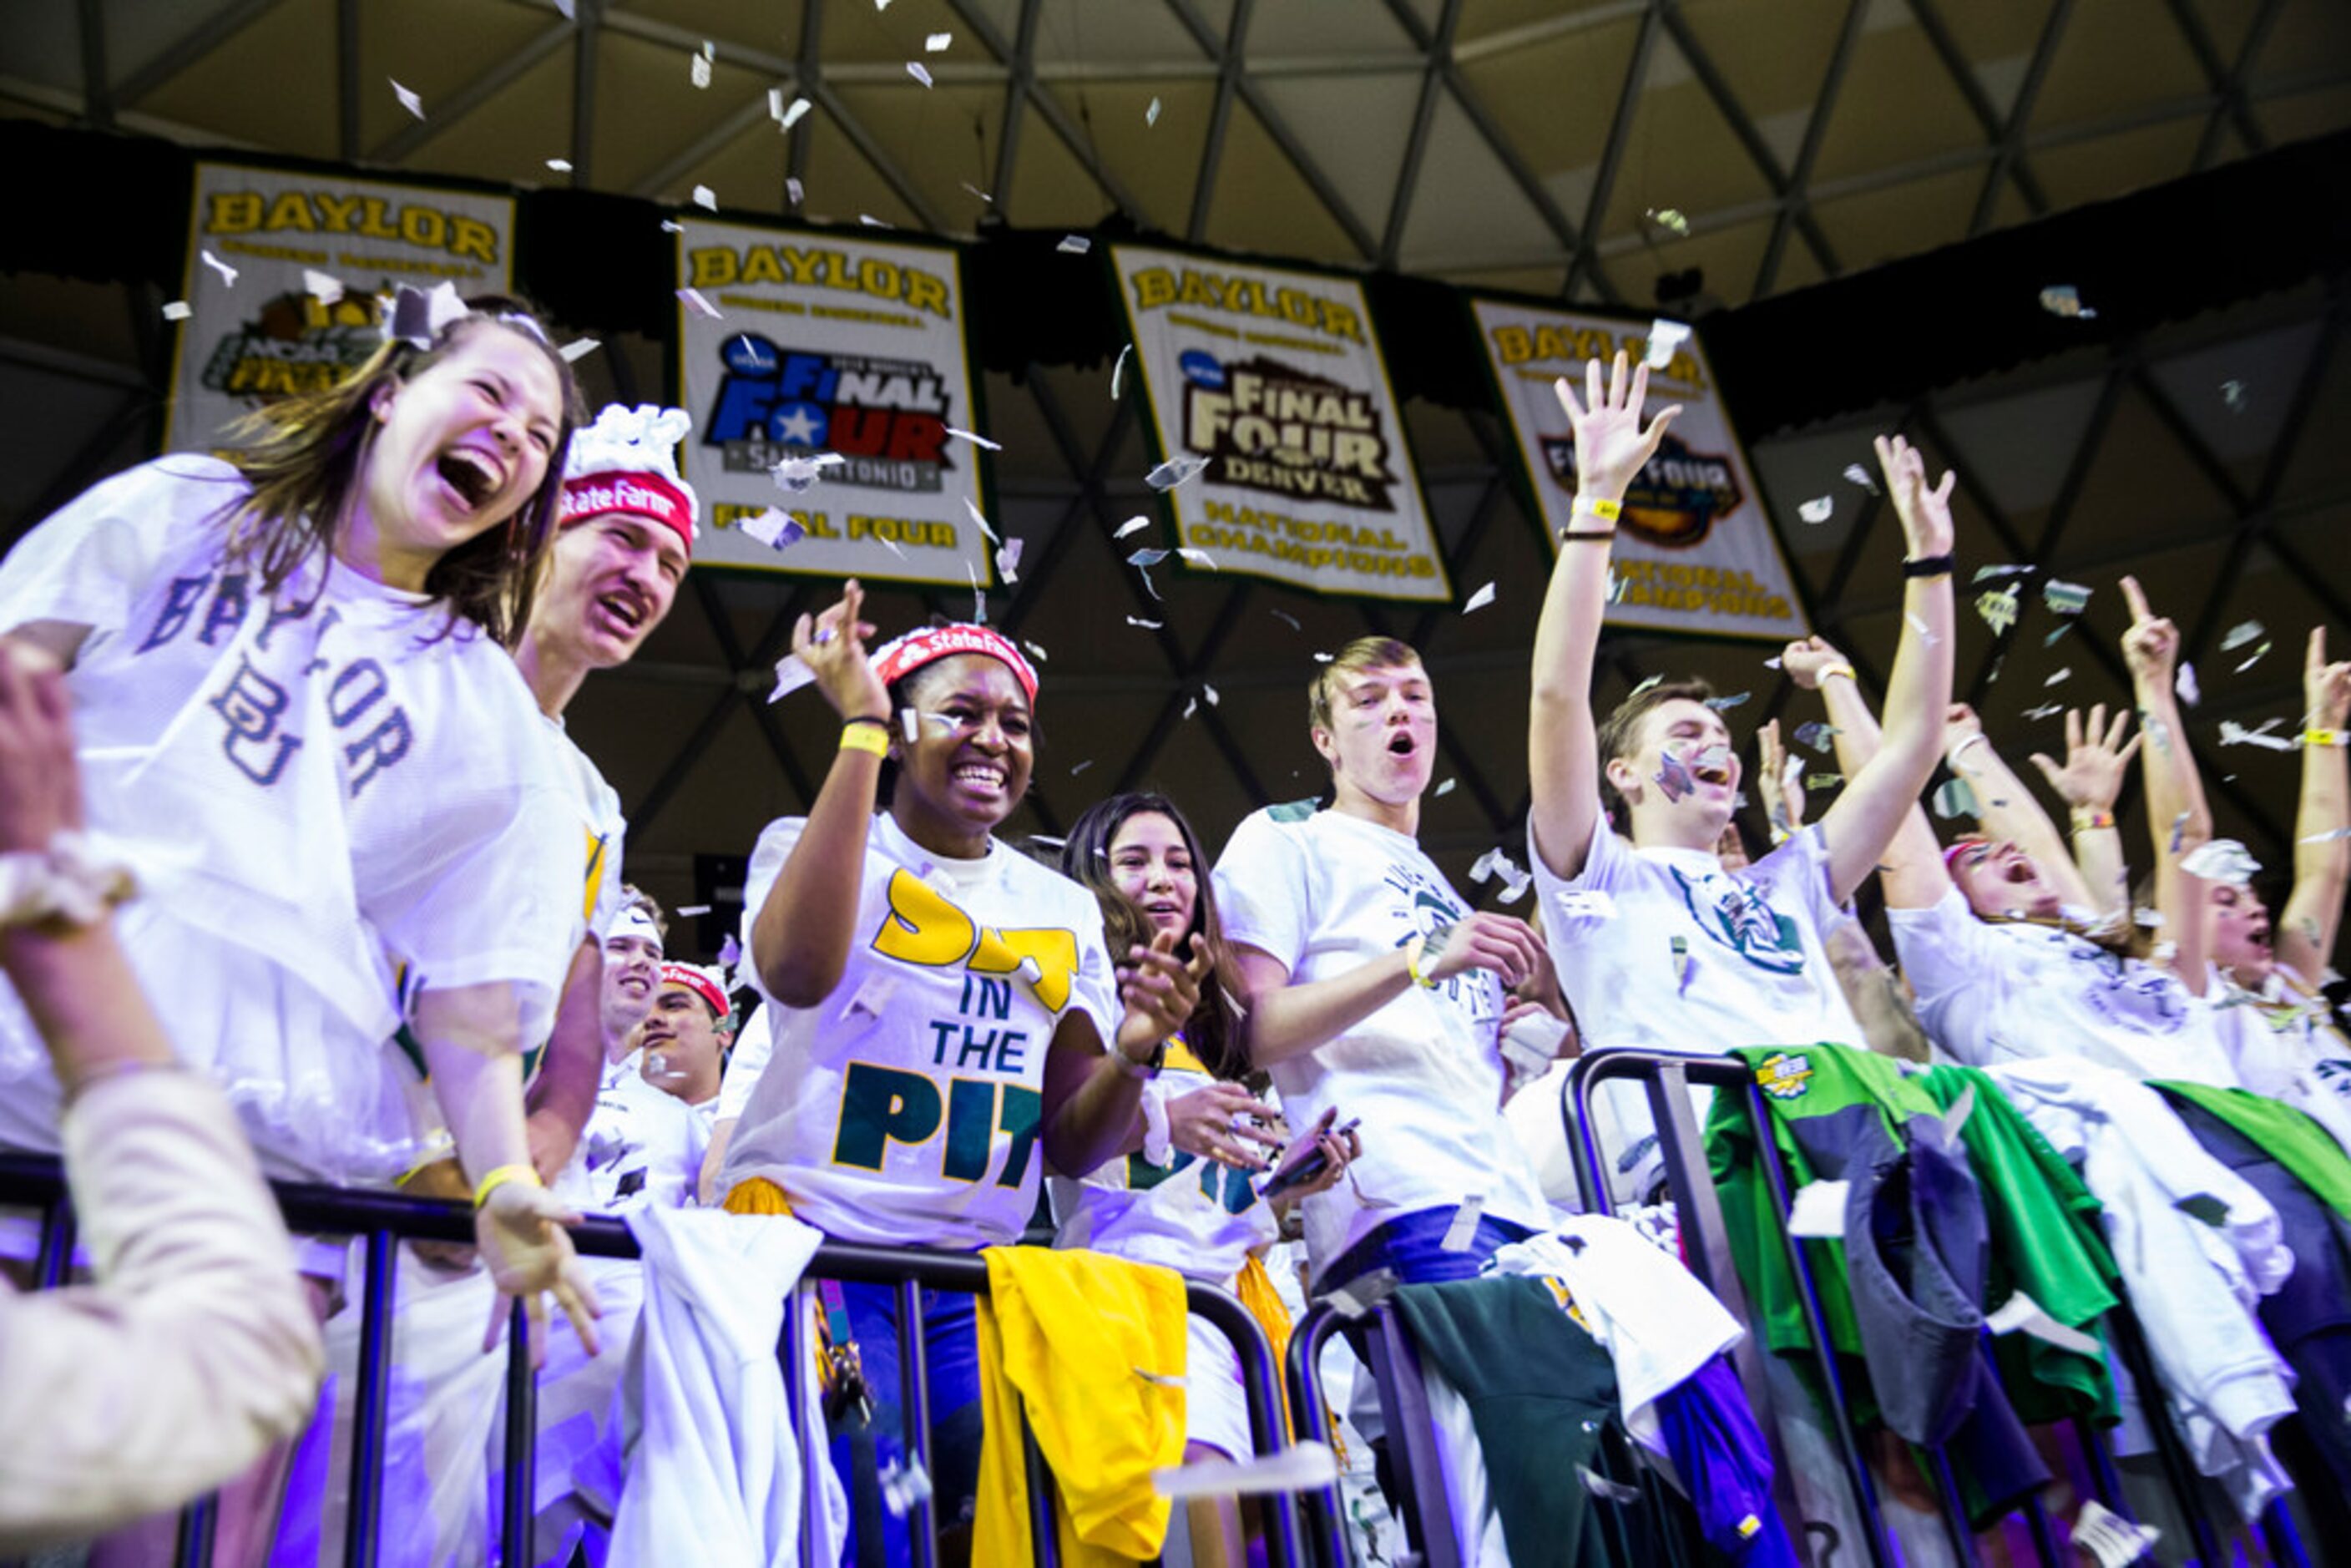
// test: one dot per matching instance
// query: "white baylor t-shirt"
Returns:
(906, 1108)
(641, 1145)
(1990, 992)
(319, 793)
(1324, 893)
(602, 823)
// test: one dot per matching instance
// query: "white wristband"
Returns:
(1952, 761)
(67, 882)
(1157, 1148)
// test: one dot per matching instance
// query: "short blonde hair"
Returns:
(1363, 654)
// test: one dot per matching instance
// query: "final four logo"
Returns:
(1674, 501)
(887, 417)
(1785, 1076)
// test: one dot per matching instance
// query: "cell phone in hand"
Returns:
(1307, 1170)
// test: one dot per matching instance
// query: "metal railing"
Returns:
(385, 1218)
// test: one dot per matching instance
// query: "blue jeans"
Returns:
(1411, 1244)
(951, 1351)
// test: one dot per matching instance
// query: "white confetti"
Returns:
(2239, 634)
(1819, 1210)
(227, 273)
(578, 350)
(698, 70)
(2065, 299)
(1322, 658)
(693, 298)
(560, 165)
(2259, 653)
(1665, 338)
(870, 221)
(2021, 1312)
(1480, 599)
(975, 190)
(1445, 788)
(1175, 471)
(2223, 861)
(1819, 509)
(1954, 798)
(937, 43)
(669, 227)
(794, 476)
(2233, 395)
(775, 528)
(177, 310)
(1463, 1230)
(1671, 219)
(1191, 707)
(690, 909)
(1198, 557)
(1129, 527)
(1151, 115)
(703, 197)
(792, 116)
(1118, 369)
(2046, 710)
(1286, 619)
(323, 286)
(1859, 476)
(1082, 767)
(1302, 1467)
(2064, 674)
(2110, 1537)
(1074, 244)
(2065, 598)
(2184, 682)
(2328, 837)
(1008, 561)
(904, 1487)
(920, 72)
(978, 517)
(1034, 651)
(1146, 625)
(974, 440)
(408, 100)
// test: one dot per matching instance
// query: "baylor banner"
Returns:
(1272, 380)
(831, 344)
(1693, 550)
(287, 300)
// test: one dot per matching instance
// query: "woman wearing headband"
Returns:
(946, 1018)
(301, 735)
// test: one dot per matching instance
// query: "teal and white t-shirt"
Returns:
(1325, 894)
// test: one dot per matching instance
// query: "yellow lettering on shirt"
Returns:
(924, 927)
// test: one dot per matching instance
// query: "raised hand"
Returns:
(1212, 1123)
(2151, 646)
(520, 1233)
(40, 779)
(2096, 761)
(1807, 659)
(1926, 513)
(1160, 990)
(1501, 943)
(1610, 447)
(832, 645)
(1782, 786)
(2326, 688)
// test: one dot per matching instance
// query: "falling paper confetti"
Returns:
(2057, 636)
(560, 165)
(974, 440)
(1724, 705)
(1999, 608)
(1175, 471)
(1991, 573)
(1956, 798)
(1855, 474)
(1118, 369)
(692, 909)
(1089, 762)
(1664, 337)
(2235, 734)
(1480, 599)
(1671, 220)
(1008, 561)
(2223, 861)
(2046, 710)
(1446, 788)
(1151, 115)
(1286, 619)
(980, 518)
(975, 190)
(2239, 634)
(227, 273)
(1819, 509)
(1302, 1467)
(1198, 557)
(2065, 598)
(703, 197)
(870, 221)
(2064, 674)
(791, 117)
(2328, 837)
(1817, 735)
(672, 228)
(1644, 685)
(2178, 830)
(1146, 625)
(904, 1487)
(775, 528)
(1191, 707)
(692, 297)
(2184, 682)
(2259, 653)
(1129, 527)
(1209, 691)
(2233, 395)
(937, 43)
(323, 286)
(177, 310)
(1146, 557)
(916, 70)
(1034, 651)
(2065, 299)
(793, 476)
(698, 70)
(408, 100)
(578, 350)
(1074, 244)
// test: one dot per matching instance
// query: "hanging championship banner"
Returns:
(837, 349)
(284, 271)
(1695, 551)
(1271, 384)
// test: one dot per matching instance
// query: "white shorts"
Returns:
(1216, 1409)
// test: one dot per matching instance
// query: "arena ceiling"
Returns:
(1594, 150)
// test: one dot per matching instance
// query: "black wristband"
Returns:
(1565, 535)
(867, 719)
(1928, 566)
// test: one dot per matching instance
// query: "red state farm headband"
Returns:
(700, 984)
(644, 494)
(897, 660)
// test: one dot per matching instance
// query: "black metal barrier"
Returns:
(1668, 1079)
(385, 1219)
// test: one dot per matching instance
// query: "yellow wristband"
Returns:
(1413, 950)
(1600, 506)
(2087, 821)
(865, 738)
(2333, 737)
(1845, 670)
(501, 1174)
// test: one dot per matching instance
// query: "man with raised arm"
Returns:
(1657, 945)
(1373, 989)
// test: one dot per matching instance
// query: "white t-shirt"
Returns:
(602, 824)
(1990, 992)
(905, 1108)
(1324, 893)
(755, 1042)
(1192, 1215)
(1692, 958)
(319, 793)
(642, 1145)
(2286, 1046)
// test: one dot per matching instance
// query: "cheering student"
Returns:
(1658, 946)
(1184, 1199)
(1372, 989)
(297, 717)
(943, 1011)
